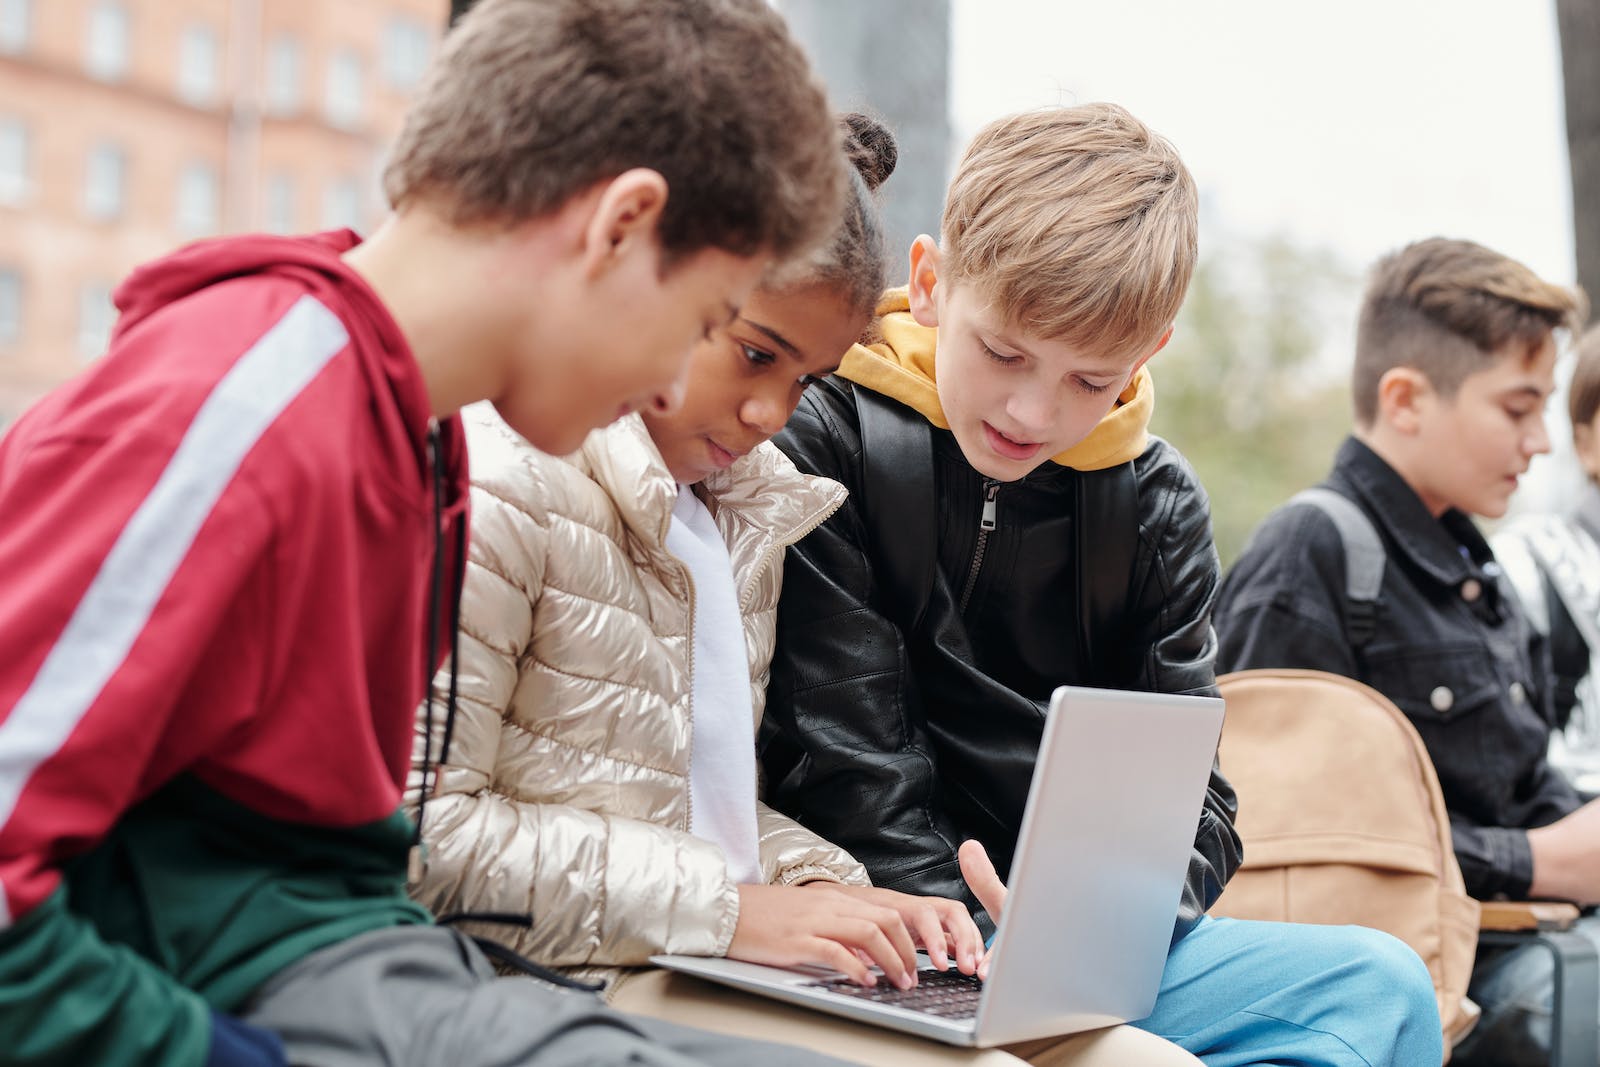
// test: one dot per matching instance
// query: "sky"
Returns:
(1358, 124)
(1355, 126)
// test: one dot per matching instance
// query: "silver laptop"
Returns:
(1095, 883)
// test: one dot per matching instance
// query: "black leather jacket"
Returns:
(900, 746)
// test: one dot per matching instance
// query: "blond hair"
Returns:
(1448, 309)
(532, 101)
(1079, 222)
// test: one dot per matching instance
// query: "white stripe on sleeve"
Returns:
(150, 548)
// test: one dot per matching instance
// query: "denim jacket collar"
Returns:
(1433, 546)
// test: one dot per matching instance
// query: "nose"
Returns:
(670, 399)
(1537, 442)
(1033, 410)
(765, 411)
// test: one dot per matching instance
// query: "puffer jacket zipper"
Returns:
(776, 545)
(688, 655)
(986, 523)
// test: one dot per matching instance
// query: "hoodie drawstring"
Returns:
(417, 859)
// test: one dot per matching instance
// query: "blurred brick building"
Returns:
(128, 127)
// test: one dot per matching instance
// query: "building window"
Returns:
(10, 307)
(96, 316)
(197, 66)
(342, 98)
(16, 25)
(406, 44)
(284, 75)
(278, 209)
(107, 57)
(103, 179)
(197, 200)
(13, 161)
(341, 204)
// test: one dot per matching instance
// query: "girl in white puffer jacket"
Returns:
(617, 623)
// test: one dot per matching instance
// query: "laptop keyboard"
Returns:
(946, 994)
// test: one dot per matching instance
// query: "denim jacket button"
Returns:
(1471, 590)
(1442, 699)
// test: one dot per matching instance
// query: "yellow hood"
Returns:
(901, 366)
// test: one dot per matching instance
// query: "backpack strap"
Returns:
(1364, 558)
(1107, 534)
(897, 493)
(1574, 634)
(1568, 597)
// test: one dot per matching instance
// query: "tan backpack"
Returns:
(1343, 822)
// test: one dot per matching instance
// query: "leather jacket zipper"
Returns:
(991, 489)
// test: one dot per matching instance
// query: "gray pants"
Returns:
(1514, 987)
(424, 996)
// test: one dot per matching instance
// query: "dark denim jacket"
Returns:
(1451, 648)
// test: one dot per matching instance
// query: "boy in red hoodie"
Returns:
(229, 546)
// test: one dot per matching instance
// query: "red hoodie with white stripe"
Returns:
(215, 555)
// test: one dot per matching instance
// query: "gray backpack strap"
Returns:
(1364, 558)
(1562, 566)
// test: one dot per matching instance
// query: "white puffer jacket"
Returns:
(566, 794)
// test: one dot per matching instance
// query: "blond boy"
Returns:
(1062, 545)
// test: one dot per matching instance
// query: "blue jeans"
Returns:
(1237, 992)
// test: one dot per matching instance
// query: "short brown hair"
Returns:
(533, 101)
(1079, 222)
(1448, 309)
(1583, 393)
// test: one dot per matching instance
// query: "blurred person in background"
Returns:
(1554, 563)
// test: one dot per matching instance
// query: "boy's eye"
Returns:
(1091, 387)
(1004, 361)
(756, 356)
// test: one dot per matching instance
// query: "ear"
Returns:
(623, 219)
(1161, 343)
(1404, 394)
(924, 281)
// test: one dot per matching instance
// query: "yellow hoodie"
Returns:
(901, 366)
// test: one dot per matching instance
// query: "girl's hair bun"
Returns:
(870, 147)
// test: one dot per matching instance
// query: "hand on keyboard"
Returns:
(942, 928)
(790, 926)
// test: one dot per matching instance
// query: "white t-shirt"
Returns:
(722, 766)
